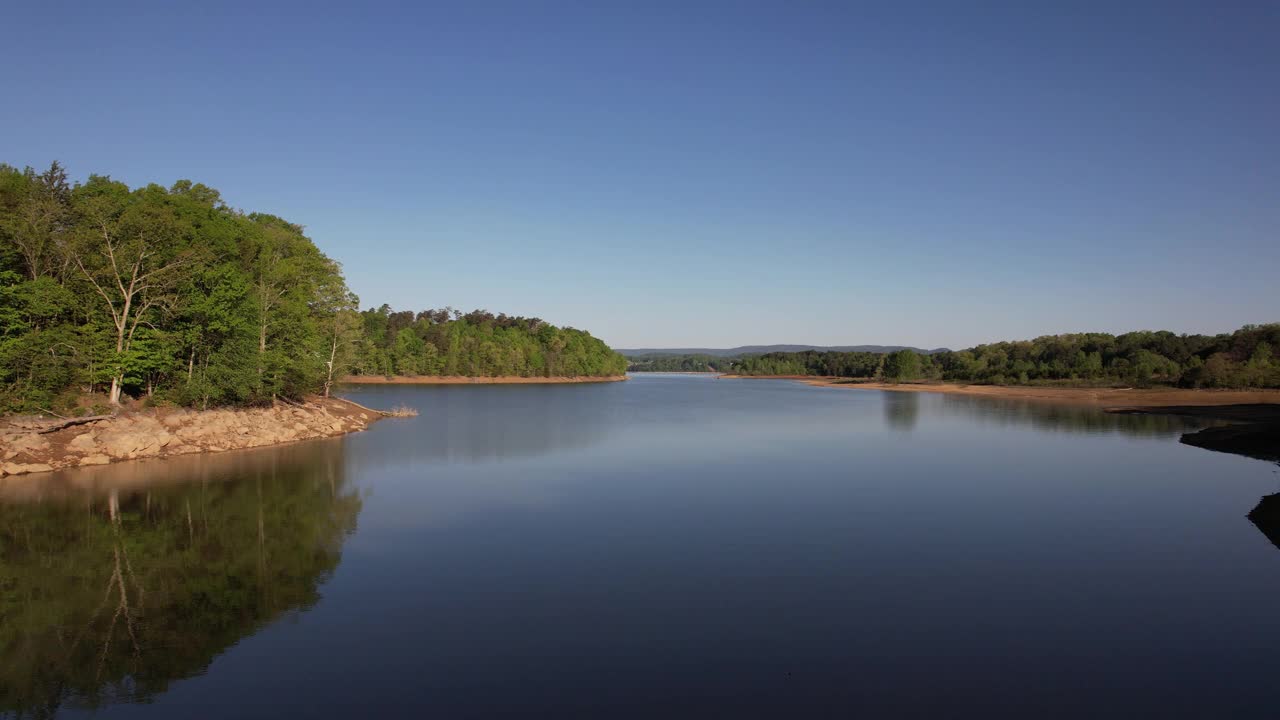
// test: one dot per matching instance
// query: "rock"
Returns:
(29, 443)
(128, 443)
(84, 443)
(21, 468)
(193, 432)
(95, 460)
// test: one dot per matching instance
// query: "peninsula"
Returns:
(155, 321)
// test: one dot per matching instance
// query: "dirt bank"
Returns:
(30, 445)
(462, 380)
(1106, 398)
(1245, 422)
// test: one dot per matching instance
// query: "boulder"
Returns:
(83, 443)
(30, 443)
(95, 460)
(22, 468)
(128, 443)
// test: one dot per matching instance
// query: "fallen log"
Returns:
(71, 422)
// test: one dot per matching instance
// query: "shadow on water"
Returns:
(1266, 517)
(116, 584)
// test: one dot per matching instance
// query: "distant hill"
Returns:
(762, 349)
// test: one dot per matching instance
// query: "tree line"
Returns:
(1242, 359)
(477, 344)
(109, 292)
(662, 362)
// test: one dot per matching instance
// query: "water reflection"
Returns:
(1062, 418)
(484, 423)
(525, 548)
(901, 410)
(116, 585)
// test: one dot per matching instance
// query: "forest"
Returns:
(110, 294)
(662, 362)
(1242, 359)
(477, 344)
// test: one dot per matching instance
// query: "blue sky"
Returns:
(711, 174)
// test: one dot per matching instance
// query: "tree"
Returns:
(901, 366)
(37, 225)
(337, 306)
(129, 250)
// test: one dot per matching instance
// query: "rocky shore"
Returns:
(30, 445)
(476, 380)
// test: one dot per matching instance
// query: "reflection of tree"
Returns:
(1063, 417)
(114, 596)
(901, 410)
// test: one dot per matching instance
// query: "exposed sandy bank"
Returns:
(1247, 422)
(1107, 398)
(463, 380)
(30, 445)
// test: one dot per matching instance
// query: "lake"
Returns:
(671, 545)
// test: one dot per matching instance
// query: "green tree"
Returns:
(129, 250)
(901, 366)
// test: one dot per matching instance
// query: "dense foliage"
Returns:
(168, 293)
(1245, 358)
(661, 362)
(811, 362)
(477, 344)
(156, 291)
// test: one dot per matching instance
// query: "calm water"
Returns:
(671, 545)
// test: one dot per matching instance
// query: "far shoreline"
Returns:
(466, 380)
(1103, 397)
(1240, 422)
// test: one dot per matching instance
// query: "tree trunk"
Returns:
(333, 355)
(118, 379)
(262, 347)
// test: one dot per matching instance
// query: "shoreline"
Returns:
(465, 380)
(1239, 422)
(1112, 399)
(38, 445)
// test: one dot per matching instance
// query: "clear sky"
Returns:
(709, 174)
